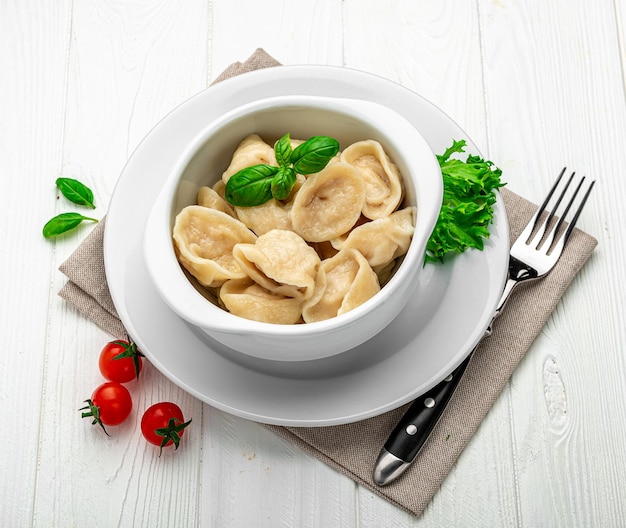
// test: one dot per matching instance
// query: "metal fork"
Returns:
(532, 256)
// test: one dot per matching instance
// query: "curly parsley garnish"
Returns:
(467, 210)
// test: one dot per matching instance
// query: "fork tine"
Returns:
(534, 221)
(558, 246)
(551, 237)
(571, 225)
(564, 214)
(543, 206)
(536, 241)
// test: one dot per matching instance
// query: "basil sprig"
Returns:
(257, 184)
(76, 192)
(64, 222)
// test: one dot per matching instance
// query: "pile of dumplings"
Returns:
(320, 253)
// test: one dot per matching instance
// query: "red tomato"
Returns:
(120, 361)
(110, 404)
(163, 424)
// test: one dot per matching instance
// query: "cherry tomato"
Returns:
(163, 424)
(120, 361)
(110, 404)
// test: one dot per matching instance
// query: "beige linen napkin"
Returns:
(353, 448)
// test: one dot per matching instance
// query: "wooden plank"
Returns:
(33, 54)
(244, 463)
(292, 32)
(432, 48)
(128, 66)
(556, 98)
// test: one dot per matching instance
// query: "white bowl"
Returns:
(202, 163)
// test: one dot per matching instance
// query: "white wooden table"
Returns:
(537, 85)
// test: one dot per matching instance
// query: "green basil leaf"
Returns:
(250, 186)
(283, 150)
(76, 191)
(314, 154)
(64, 222)
(283, 182)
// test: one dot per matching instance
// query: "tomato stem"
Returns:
(171, 433)
(93, 411)
(131, 351)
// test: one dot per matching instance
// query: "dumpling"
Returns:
(208, 197)
(281, 262)
(204, 239)
(273, 214)
(220, 188)
(381, 241)
(251, 151)
(265, 217)
(245, 298)
(343, 282)
(329, 203)
(384, 188)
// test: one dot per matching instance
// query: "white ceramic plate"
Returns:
(434, 333)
